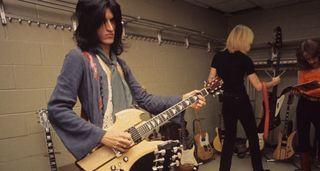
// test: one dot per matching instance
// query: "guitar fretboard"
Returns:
(52, 158)
(286, 121)
(166, 115)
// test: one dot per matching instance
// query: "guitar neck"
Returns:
(286, 122)
(52, 158)
(273, 100)
(198, 123)
(168, 114)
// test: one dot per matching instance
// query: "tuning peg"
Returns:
(155, 168)
(176, 149)
(159, 160)
(178, 155)
(162, 152)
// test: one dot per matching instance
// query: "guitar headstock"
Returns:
(167, 155)
(276, 44)
(43, 117)
(214, 87)
(277, 37)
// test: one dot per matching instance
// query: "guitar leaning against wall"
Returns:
(218, 139)
(204, 151)
(284, 149)
(43, 120)
(187, 162)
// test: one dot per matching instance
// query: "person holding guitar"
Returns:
(232, 64)
(102, 81)
(308, 107)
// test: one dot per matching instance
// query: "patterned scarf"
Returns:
(121, 94)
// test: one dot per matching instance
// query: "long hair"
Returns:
(308, 49)
(90, 15)
(240, 39)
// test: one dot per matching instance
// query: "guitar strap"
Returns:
(267, 114)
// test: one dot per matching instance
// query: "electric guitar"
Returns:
(204, 151)
(105, 158)
(43, 119)
(284, 148)
(188, 160)
(273, 98)
(218, 140)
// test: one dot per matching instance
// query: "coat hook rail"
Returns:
(49, 5)
(31, 21)
(194, 38)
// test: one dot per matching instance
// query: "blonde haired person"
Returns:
(233, 64)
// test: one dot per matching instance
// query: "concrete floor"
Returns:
(244, 164)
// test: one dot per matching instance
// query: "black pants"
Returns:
(237, 107)
(307, 112)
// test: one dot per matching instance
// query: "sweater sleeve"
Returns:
(78, 135)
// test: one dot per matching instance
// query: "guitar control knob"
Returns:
(113, 168)
(125, 158)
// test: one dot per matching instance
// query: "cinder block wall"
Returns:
(31, 59)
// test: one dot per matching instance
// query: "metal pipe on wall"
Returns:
(198, 37)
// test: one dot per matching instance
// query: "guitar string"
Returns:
(179, 107)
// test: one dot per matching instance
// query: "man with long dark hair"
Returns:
(102, 81)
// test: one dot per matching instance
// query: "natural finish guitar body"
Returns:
(104, 158)
(284, 148)
(218, 140)
(135, 123)
(187, 157)
(204, 149)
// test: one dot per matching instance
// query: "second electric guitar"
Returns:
(284, 148)
(204, 151)
(218, 139)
